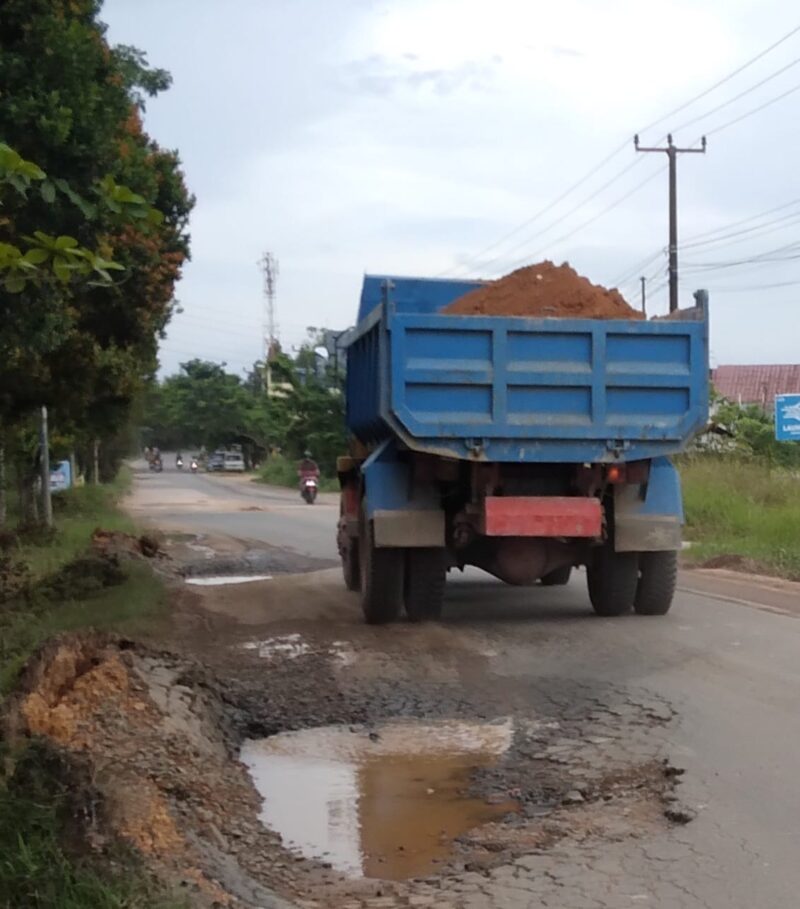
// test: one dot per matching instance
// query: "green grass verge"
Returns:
(740, 508)
(40, 865)
(280, 471)
(44, 864)
(76, 513)
(136, 605)
(128, 607)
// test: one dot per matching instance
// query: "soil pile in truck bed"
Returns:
(544, 290)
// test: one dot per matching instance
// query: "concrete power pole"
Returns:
(672, 152)
(44, 441)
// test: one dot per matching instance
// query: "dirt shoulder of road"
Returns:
(759, 591)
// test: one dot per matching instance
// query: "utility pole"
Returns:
(268, 264)
(644, 295)
(44, 439)
(672, 152)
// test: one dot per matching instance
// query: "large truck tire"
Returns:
(348, 553)
(426, 573)
(658, 577)
(382, 577)
(612, 578)
(351, 569)
(557, 578)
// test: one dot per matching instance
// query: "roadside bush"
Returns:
(278, 471)
(739, 506)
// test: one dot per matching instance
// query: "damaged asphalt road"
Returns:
(643, 762)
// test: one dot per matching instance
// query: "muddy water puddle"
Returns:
(388, 803)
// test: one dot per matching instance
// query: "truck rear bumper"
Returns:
(542, 516)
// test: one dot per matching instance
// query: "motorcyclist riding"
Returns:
(308, 471)
(308, 467)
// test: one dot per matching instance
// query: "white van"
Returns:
(233, 461)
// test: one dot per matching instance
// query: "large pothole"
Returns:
(389, 802)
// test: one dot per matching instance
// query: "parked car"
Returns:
(216, 461)
(233, 461)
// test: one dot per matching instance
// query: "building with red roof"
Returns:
(756, 384)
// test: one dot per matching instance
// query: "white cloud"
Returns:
(408, 135)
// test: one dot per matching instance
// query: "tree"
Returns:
(203, 404)
(71, 104)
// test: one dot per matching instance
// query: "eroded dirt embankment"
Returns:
(161, 733)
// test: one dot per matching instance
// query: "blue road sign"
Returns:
(61, 477)
(787, 418)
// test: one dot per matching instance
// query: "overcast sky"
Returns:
(410, 136)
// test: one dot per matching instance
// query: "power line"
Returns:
(769, 211)
(738, 97)
(562, 218)
(746, 234)
(549, 207)
(769, 255)
(755, 110)
(636, 271)
(742, 288)
(740, 69)
(600, 214)
(473, 259)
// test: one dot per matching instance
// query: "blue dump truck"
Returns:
(524, 446)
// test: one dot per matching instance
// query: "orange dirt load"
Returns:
(544, 290)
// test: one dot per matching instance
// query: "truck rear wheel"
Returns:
(348, 553)
(658, 576)
(612, 578)
(351, 570)
(557, 578)
(426, 574)
(382, 576)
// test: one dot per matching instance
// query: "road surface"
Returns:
(725, 661)
(234, 505)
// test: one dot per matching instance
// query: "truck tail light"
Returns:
(616, 473)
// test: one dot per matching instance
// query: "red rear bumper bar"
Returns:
(542, 516)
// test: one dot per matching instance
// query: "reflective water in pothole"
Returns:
(385, 804)
(218, 580)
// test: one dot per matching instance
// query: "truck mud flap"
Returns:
(409, 528)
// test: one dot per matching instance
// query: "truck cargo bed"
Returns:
(527, 390)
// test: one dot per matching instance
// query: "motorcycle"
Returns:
(156, 465)
(308, 489)
(194, 466)
(179, 463)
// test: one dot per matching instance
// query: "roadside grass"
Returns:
(44, 864)
(137, 604)
(741, 508)
(28, 619)
(76, 513)
(280, 471)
